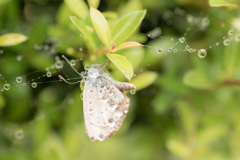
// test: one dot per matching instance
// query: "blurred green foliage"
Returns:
(186, 107)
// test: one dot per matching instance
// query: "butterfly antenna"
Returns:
(71, 65)
(104, 65)
(67, 81)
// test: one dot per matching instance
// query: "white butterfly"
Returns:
(105, 105)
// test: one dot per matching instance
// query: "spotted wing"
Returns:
(105, 108)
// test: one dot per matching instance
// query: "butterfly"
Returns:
(105, 105)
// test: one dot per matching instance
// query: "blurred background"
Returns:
(185, 107)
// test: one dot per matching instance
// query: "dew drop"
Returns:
(226, 42)
(160, 50)
(34, 85)
(24, 84)
(187, 47)
(217, 43)
(132, 91)
(175, 50)
(230, 32)
(182, 39)
(80, 49)
(82, 85)
(19, 79)
(101, 137)
(172, 39)
(86, 67)
(237, 37)
(202, 53)
(49, 74)
(170, 49)
(190, 50)
(194, 50)
(72, 62)
(19, 134)
(19, 58)
(58, 64)
(6, 86)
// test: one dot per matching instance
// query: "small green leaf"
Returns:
(144, 80)
(126, 25)
(222, 3)
(122, 64)
(101, 26)
(12, 39)
(231, 58)
(94, 3)
(83, 28)
(127, 45)
(197, 79)
(78, 7)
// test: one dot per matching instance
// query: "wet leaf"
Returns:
(126, 25)
(144, 80)
(231, 58)
(83, 28)
(78, 7)
(12, 39)
(197, 79)
(222, 3)
(122, 64)
(127, 45)
(101, 26)
(93, 3)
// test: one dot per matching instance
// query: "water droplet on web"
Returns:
(49, 74)
(237, 37)
(226, 42)
(34, 85)
(86, 67)
(170, 49)
(24, 84)
(230, 32)
(58, 64)
(57, 58)
(82, 85)
(6, 86)
(19, 134)
(172, 39)
(217, 43)
(80, 49)
(190, 50)
(72, 62)
(202, 53)
(19, 79)
(132, 91)
(194, 50)
(175, 50)
(187, 47)
(160, 50)
(182, 39)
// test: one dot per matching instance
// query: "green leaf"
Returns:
(231, 58)
(222, 3)
(122, 64)
(197, 79)
(126, 25)
(12, 39)
(78, 7)
(144, 80)
(101, 26)
(178, 147)
(127, 45)
(94, 3)
(83, 28)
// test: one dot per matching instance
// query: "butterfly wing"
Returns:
(105, 108)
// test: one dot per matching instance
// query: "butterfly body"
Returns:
(105, 105)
